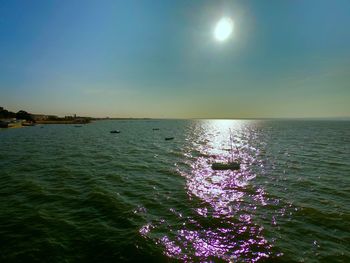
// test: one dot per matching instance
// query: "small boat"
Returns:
(78, 126)
(169, 138)
(232, 164)
(115, 131)
(226, 166)
(155, 129)
(28, 124)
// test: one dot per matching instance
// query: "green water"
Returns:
(73, 194)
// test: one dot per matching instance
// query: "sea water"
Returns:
(72, 194)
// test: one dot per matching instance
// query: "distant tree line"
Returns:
(23, 115)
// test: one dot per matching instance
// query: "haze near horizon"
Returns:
(176, 59)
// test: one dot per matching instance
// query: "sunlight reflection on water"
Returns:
(225, 198)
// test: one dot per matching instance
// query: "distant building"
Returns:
(43, 117)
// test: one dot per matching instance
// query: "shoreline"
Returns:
(62, 122)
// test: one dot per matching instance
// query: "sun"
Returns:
(223, 29)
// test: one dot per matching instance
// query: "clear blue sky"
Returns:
(160, 59)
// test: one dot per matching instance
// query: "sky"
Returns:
(159, 58)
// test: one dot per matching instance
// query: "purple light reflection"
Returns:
(223, 226)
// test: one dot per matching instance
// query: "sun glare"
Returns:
(223, 29)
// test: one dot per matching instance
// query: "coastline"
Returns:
(62, 122)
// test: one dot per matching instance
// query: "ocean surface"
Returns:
(72, 194)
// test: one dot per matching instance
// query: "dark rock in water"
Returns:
(115, 131)
(226, 166)
(169, 138)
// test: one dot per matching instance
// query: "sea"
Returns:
(83, 194)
